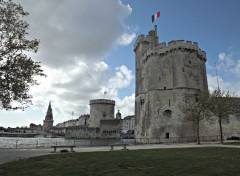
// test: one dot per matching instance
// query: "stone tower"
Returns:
(118, 115)
(48, 122)
(166, 74)
(100, 109)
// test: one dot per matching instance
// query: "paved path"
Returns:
(7, 155)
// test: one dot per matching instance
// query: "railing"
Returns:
(48, 142)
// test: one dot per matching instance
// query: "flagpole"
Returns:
(154, 17)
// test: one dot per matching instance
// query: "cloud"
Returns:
(122, 78)
(228, 67)
(225, 61)
(75, 38)
(126, 38)
(236, 70)
(72, 89)
(126, 105)
(223, 84)
(72, 31)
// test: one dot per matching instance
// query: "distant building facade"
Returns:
(33, 126)
(81, 121)
(128, 123)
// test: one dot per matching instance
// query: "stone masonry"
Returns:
(100, 109)
(166, 75)
(48, 122)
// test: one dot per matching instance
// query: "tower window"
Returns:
(169, 102)
(141, 101)
(183, 69)
(167, 135)
(189, 62)
(167, 113)
(164, 88)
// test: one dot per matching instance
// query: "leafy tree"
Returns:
(222, 104)
(196, 109)
(17, 70)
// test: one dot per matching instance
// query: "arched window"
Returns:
(167, 113)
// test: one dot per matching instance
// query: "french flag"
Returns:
(155, 16)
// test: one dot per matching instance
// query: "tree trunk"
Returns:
(221, 132)
(198, 136)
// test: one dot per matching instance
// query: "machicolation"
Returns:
(102, 101)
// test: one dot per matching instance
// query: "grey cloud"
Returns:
(75, 36)
(70, 29)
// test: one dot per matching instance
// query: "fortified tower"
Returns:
(166, 74)
(100, 109)
(48, 122)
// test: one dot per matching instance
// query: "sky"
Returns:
(86, 49)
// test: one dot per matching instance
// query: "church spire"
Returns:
(49, 107)
(48, 122)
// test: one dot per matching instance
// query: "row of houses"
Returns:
(127, 123)
(81, 121)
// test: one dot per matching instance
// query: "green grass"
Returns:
(231, 143)
(168, 162)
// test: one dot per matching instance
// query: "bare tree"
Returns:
(196, 109)
(222, 104)
(17, 70)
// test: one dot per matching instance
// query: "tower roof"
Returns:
(49, 115)
(49, 106)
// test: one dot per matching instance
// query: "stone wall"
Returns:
(109, 128)
(82, 132)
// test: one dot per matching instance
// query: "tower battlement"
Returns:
(102, 101)
(165, 48)
(172, 46)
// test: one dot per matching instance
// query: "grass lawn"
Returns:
(168, 162)
(231, 143)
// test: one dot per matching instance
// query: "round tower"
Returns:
(166, 74)
(100, 109)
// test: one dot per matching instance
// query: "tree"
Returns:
(17, 70)
(222, 104)
(196, 109)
